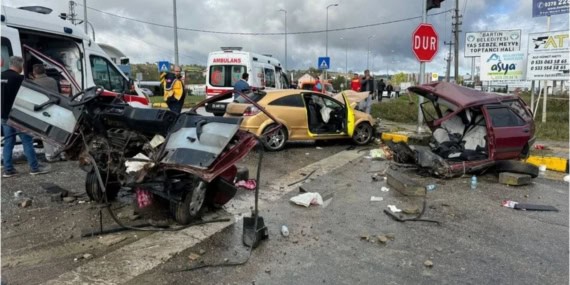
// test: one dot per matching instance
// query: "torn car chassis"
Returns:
(193, 166)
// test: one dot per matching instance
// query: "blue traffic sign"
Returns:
(163, 66)
(324, 62)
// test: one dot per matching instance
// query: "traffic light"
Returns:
(433, 4)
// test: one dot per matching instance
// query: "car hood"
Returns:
(461, 96)
(353, 97)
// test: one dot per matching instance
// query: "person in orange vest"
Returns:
(355, 83)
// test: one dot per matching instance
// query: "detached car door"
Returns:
(508, 133)
(44, 113)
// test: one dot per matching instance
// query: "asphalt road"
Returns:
(478, 241)
(41, 241)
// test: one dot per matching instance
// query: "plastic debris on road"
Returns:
(542, 168)
(284, 231)
(509, 204)
(376, 199)
(567, 178)
(394, 209)
(307, 199)
(249, 184)
(430, 187)
(381, 153)
(384, 189)
(18, 194)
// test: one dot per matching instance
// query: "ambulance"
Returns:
(41, 37)
(226, 67)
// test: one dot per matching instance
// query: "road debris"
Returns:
(383, 239)
(307, 199)
(17, 194)
(27, 202)
(428, 263)
(284, 231)
(202, 251)
(365, 237)
(431, 187)
(111, 240)
(194, 256)
(527, 207)
(567, 178)
(394, 209)
(411, 210)
(384, 189)
(305, 178)
(376, 199)
(514, 179)
(87, 256)
(70, 199)
(248, 184)
(319, 147)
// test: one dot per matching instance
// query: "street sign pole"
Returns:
(545, 82)
(422, 74)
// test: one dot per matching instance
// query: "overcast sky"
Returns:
(390, 47)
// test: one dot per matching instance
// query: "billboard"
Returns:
(548, 66)
(477, 43)
(557, 41)
(542, 8)
(503, 66)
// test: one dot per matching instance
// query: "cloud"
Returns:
(150, 43)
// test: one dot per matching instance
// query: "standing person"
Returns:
(318, 87)
(381, 87)
(389, 89)
(41, 79)
(367, 85)
(13, 80)
(241, 86)
(173, 89)
(355, 83)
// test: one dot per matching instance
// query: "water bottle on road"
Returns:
(473, 182)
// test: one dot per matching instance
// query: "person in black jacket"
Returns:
(367, 85)
(11, 82)
(381, 87)
(389, 90)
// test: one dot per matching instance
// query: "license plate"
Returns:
(219, 106)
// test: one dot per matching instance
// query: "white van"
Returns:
(39, 36)
(226, 67)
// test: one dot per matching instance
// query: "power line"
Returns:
(259, 33)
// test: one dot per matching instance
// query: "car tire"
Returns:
(192, 205)
(516, 166)
(95, 193)
(275, 141)
(363, 134)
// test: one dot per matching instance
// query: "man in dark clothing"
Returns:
(389, 90)
(241, 86)
(367, 85)
(11, 82)
(381, 87)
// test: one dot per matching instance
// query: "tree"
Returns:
(398, 78)
(338, 81)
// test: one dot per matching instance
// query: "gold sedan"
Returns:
(305, 115)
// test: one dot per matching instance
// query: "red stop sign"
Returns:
(425, 42)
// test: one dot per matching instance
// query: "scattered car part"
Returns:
(418, 218)
(516, 166)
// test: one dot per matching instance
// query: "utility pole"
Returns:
(421, 79)
(175, 34)
(285, 11)
(456, 32)
(85, 15)
(72, 14)
(448, 59)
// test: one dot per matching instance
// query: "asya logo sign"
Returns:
(505, 64)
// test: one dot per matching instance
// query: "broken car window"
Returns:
(519, 109)
(504, 117)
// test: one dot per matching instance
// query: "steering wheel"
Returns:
(90, 94)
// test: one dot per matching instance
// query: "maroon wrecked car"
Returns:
(471, 131)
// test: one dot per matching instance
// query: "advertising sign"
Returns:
(477, 43)
(542, 8)
(548, 66)
(558, 41)
(503, 66)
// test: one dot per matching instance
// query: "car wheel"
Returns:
(516, 166)
(191, 206)
(275, 141)
(94, 191)
(362, 134)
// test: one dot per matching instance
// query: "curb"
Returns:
(553, 163)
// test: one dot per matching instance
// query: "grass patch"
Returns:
(405, 110)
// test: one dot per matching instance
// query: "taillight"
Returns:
(251, 111)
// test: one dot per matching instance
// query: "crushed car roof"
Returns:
(459, 95)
